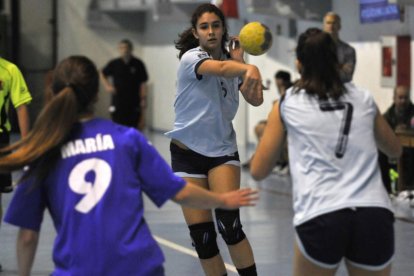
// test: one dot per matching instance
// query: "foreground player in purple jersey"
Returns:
(90, 174)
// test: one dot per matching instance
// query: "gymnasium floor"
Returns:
(267, 225)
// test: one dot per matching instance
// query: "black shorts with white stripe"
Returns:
(188, 163)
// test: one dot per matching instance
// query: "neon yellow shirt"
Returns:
(12, 88)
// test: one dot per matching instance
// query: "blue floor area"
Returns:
(267, 225)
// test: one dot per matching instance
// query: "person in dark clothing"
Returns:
(283, 82)
(128, 87)
(346, 53)
(398, 115)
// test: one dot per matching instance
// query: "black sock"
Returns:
(248, 271)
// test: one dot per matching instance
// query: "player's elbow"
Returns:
(396, 152)
(257, 172)
(257, 175)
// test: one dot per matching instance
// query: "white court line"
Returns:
(187, 251)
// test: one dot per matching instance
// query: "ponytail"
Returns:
(50, 130)
(74, 90)
(317, 54)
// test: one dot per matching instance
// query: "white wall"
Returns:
(77, 37)
(281, 56)
(161, 59)
(154, 44)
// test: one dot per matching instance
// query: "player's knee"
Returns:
(229, 226)
(204, 239)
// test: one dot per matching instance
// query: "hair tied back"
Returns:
(81, 97)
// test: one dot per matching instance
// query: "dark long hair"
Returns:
(73, 92)
(316, 51)
(186, 39)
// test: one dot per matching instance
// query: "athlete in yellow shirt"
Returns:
(13, 89)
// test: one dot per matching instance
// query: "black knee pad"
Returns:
(229, 226)
(204, 239)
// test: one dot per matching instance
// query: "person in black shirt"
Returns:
(128, 87)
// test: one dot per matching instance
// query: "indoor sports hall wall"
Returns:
(154, 44)
(366, 40)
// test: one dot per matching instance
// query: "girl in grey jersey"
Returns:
(203, 146)
(333, 130)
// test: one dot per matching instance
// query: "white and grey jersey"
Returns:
(332, 153)
(205, 106)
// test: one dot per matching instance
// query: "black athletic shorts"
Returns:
(363, 236)
(5, 179)
(188, 163)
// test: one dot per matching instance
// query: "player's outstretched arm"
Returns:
(270, 146)
(251, 88)
(193, 196)
(26, 249)
(386, 140)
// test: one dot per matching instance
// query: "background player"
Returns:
(283, 82)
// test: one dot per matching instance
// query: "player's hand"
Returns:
(235, 50)
(239, 198)
(252, 88)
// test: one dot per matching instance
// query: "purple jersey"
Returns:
(94, 195)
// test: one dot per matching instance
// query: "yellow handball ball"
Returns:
(255, 38)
